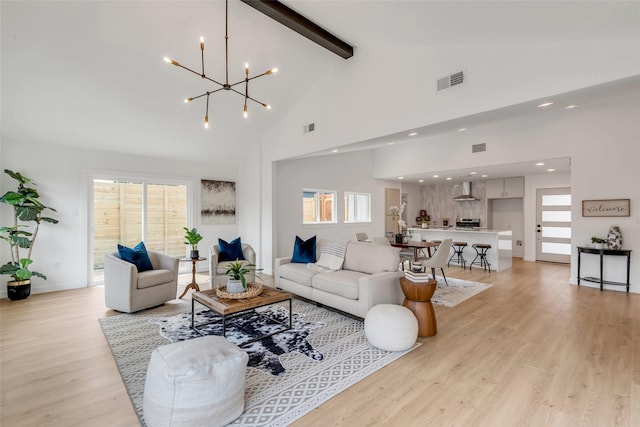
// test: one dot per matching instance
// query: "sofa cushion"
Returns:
(332, 254)
(151, 278)
(342, 282)
(137, 255)
(230, 251)
(298, 273)
(370, 258)
(304, 251)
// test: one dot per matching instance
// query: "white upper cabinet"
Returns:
(507, 188)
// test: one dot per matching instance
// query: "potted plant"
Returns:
(237, 281)
(27, 208)
(598, 242)
(192, 238)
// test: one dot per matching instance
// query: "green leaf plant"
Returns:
(21, 236)
(236, 270)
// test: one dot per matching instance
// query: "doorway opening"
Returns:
(553, 225)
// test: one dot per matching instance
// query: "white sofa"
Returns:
(369, 276)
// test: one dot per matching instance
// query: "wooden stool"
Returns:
(481, 252)
(458, 248)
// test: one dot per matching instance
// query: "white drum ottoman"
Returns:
(391, 327)
(197, 382)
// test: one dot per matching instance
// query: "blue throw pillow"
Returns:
(137, 256)
(230, 251)
(304, 251)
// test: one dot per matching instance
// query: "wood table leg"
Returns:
(193, 285)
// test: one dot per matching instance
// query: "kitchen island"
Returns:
(499, 256)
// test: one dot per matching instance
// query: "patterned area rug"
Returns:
(337, 356)
(458, 291)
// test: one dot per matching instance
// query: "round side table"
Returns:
(418, 300)
(193, 285)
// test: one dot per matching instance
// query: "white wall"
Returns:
(339, 172)
(61, 174)
(385, 89)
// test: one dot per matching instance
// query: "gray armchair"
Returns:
(127, 290)
(217, 268)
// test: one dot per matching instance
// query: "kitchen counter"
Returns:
(499, 256)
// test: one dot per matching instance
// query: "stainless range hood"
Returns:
(466, 193)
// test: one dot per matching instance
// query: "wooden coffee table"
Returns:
(229, 308)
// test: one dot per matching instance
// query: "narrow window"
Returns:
(318, 206)
(357, 207)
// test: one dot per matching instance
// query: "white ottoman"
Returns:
(197, 382)
(391, 327)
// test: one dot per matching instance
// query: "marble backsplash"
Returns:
(437, 200)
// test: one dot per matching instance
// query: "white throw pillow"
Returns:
(332, 255)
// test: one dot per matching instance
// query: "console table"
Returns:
(603, 253)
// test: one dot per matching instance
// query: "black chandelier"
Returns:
(226, 85)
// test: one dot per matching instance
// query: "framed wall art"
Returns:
(607, 207)
(218, 205)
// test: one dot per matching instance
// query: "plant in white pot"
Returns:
(21, 236)
(598, 242)
(236, 271)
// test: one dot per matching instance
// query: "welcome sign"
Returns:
(610, 207)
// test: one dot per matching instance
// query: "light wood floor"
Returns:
(531, 350)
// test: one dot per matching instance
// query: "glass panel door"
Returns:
(553, 229)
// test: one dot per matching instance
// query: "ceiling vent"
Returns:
(479, 148)
(454, 79)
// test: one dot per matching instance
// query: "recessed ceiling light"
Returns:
(421, 180)
(462, 129)
(540, 164)
(546, 104)
(401, 177)
(484, 176)
(569, 107)
(473, 173)
(436, 176)
(390, 143)
(449, 178)
(335, 150)
(550, 170)
(413, 133)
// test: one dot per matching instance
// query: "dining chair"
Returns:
(439, 259)
(380, 241)
(362, 237)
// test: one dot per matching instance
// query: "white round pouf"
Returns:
(391, 327)
(197, 382)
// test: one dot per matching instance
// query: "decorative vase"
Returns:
(398, 238)
(598, 245)
(17, 290)
(614, 238)
(234, 286)
(195, 254)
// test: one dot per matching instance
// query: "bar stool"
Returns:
(481, 252)
(458, 248)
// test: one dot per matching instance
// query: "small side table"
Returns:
(193, 285)
(418, 300)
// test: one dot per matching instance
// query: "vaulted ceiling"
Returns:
(90, 73)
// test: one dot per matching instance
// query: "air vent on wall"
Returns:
(309, 128)
(451, 80)
(478, 148)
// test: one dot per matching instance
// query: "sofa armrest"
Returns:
(120, 280)
(248, 253)
(279, 262)
(161, 261)
(379, 288)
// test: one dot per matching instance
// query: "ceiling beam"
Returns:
(301, 25)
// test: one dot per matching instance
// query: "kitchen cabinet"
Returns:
(505, 188)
